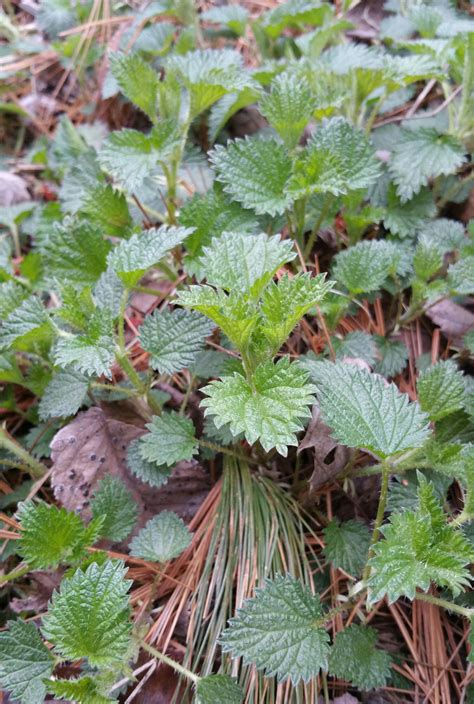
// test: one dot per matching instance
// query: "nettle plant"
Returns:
(225, 243)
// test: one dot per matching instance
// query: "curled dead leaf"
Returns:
(330, 458)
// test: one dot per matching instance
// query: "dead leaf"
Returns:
(94, 445)
(367, 17)
(329, 457)
(13, 189)
(453, 320)
(37, 593)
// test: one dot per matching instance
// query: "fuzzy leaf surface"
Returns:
(347, 545)
(281, 630)
(355, 658)
(286, 302)
(137, 81)
(92, 353)
(271, 411)
(254, 172)
(419, 547)
(218, 688)
(393, 356)
(24, 662)
(76, 252)
(27, 323)
(461, 276)
(288, 108)
(441, 390)
(420, 155)
(163, 538)
(51, 536)
(234, 314)
(64, 395)
(365, 266)
(174, 338)
(89, 617)
(83, 690)
(148, 472)
(245, 263)
(170, 440)
(131, 258)
(130, 156)
(208, 75)
(365, 412)
(337, 159)
(116, 506)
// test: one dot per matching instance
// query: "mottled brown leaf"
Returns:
(452, 319)
(329, 457)
(95, 444)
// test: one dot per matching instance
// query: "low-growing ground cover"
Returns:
(236, 351)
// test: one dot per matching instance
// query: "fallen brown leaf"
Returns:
(329, 457)
(94, 445)
(453, 320)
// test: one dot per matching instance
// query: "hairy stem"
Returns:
(36, 468)
(445, 604)
(169, 661)
(15, 574)
(380, 514)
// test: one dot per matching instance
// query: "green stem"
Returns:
(375, 111)
(445, 604)
(380, 514)
(14, 574)
(111, 387)
(36, 468)
(465, 110)
(314, 232)
(226, 451)
(148, 290)
(169, 661)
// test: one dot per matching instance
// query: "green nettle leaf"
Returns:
(366, 266)
(420, 155)
(89, 617)
(174, 338)
(107, 208)
(232, 16)
(355, 657)
(338, 158)
(208, 75)
(25, 662)
(163, 538)
(218, 688)
(130, 156)
(405, 218)
(271, 409)
(347, 545)
(149, 472)
(26, 324)
(116, 506)
(294, 13)
(131, 258)
(288, 108)
(234, 314)
(419, 547)
(245, 263)
(83, 690)
(427, 260)
(51, 536)
(92, 353)
(393, 356)
(137, 81)
(364, 411)
(76, 252)
(355, 345)
(171, 439)
(211, 215)
(64, 395)
(441, 389)
(461, 276)
(286, 302)
(281, 630)
(12, 295)
(254, 172)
